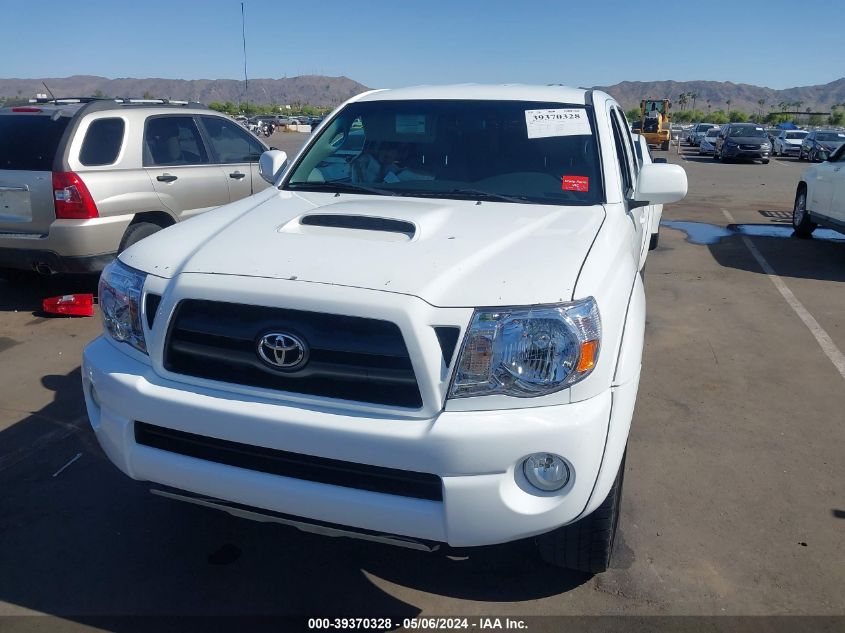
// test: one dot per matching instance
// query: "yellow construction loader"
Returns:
(656, 119)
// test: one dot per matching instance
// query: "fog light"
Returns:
(546, 471)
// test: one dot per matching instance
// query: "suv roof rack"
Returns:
(119, 101)
(67, 100)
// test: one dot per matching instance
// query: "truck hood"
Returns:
(450, 253)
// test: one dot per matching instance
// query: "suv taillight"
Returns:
(72, 200)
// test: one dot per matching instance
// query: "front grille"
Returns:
(751, 147)
(351, 358)
(392, 481)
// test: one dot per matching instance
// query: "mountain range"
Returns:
(715, 94)
(328, 91)
(306, 89)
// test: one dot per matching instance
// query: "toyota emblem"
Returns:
(281, 350)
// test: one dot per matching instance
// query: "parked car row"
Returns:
(760, 143)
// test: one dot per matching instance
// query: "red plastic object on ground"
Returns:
(71, 305)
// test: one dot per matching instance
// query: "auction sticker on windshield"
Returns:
(557, 122)
(575, 183)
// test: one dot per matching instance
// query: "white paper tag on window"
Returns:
(557, 122)
(410, 124)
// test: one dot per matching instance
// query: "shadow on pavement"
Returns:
(822, 257)
(79, 539)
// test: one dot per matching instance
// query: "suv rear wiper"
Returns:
(489, 195)
(338, 187)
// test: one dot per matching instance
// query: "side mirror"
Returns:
(661, 184)
(660, 160)
(271, 163)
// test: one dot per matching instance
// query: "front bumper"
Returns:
(477, 454)
(750, 154)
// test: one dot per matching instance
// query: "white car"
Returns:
(820, 197)
(442, 349)
(788, 142)
(697, 131)
(654, 212)
(707, 144)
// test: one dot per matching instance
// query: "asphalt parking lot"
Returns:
(734, 501)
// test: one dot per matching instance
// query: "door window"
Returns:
(230, 143)
(173, 140)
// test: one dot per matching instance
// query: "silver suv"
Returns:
(83, 179)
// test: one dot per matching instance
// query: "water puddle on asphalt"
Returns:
(703, 233)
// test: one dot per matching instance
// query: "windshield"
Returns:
(748, 132)
(705, 126)
(836, 137)
(712, 133)
(499, 150)
(795, 135)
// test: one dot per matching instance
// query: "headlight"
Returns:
(120, 304)
(765, 146)
(528, 351)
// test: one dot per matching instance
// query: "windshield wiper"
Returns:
(489, 195)
(338, 187)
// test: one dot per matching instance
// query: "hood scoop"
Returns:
(348, 225)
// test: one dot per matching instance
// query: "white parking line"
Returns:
(821, 336)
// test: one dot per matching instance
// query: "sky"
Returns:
(393, 43)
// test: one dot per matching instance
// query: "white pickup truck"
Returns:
(432, 338)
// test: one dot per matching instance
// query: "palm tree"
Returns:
(693, 96)
(728, 103)
(761, 103)
(682, 99)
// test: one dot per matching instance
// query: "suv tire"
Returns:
(801, 221)
(136, 232)
(587, 544)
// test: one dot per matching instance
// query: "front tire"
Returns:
(765, 161)
(587, 544)
(801, 221)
